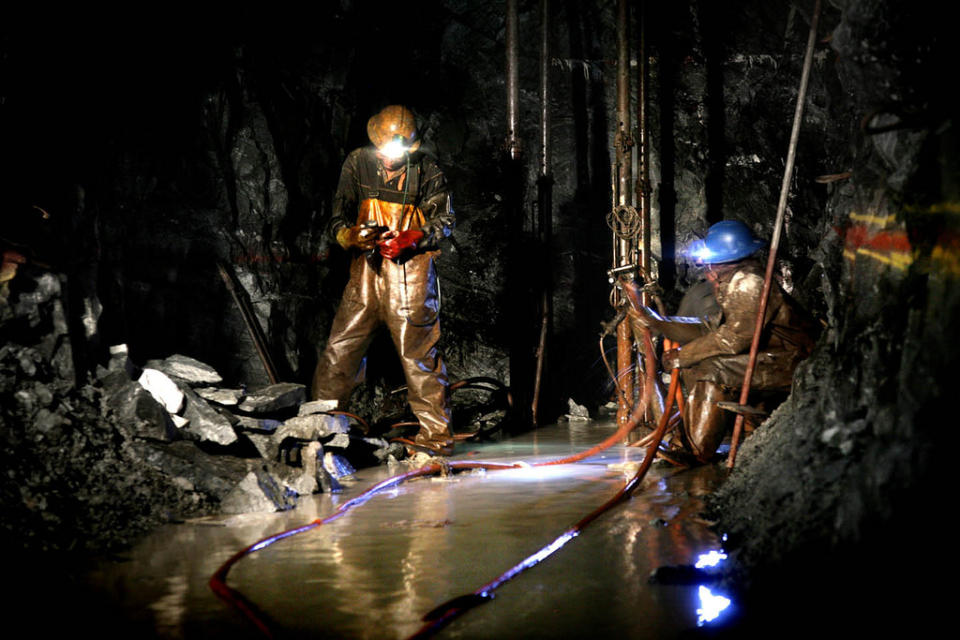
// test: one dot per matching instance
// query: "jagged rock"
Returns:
(304, 428)
(257, 425)
(576, 411)
(328, 484)
(303, 480)
(214, 476)
(276, 397)
(337, 465)
(317, 406)
(312, 427)
(188, 369)
(120, 361)
(339, 441)
(162, 388)
(205, 422)
(179, 421)
(225, 397)
(393, 450)
(49, 424)
(258, 492)
(263, 443)
(139, 413)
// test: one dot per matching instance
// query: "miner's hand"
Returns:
(362, 237)
(394, 244)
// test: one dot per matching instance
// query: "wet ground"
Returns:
(375, 572)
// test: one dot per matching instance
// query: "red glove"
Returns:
(393, 243)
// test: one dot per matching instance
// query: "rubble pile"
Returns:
(90, 465)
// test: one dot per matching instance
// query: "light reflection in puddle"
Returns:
(710, 559)
(711, 605)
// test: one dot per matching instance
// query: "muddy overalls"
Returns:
(714, 351)
(714, 365)
(404, 297)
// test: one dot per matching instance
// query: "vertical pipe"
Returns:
(545, 204)
(622, 197)
(643, 150)
(777, 226)
(519, 257)
(623, 141)
(513, 94)
(544, 88)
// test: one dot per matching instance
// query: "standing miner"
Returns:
(390, 212)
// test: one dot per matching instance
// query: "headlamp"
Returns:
(699, 251)
(395, 148)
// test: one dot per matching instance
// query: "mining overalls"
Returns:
(390, 211)
(715, 347)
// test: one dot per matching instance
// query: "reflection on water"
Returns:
(710, 559)
(376, 571)
(711, 605)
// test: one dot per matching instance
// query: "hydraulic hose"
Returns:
(442, 615)
(218, 582)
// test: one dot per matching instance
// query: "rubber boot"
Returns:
(704, 423)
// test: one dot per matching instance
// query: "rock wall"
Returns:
(831, 500)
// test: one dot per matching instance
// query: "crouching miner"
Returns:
(715, 340)
(390, 211)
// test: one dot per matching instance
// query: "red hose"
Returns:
(218, 582)
(441, 616)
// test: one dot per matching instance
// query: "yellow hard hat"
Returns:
(393, 131)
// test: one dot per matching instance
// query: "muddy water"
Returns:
(376, 571)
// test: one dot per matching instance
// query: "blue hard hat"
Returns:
(726, 241)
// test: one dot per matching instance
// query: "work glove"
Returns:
(670, 360)
(362, 237)
(393, 244)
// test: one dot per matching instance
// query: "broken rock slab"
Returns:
(139, 414)
(303, 479)
(258, 492)
(576, 412)
(188, 369)
(206, 423)
(162, 388)
(276, 397)
(223, 397)
(212, 475)
(257, 425)
(312, 427)
(317, 406)
(337, 465)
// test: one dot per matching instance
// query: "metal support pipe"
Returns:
(545, 169)
(622, 197)
(643, 151)
(513, 93)
(545, 205)
(777, 226)
(250, 321)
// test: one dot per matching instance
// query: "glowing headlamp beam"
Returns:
(395, 148)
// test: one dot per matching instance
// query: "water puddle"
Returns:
(375, 572)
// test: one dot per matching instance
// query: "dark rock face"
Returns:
(850, 467)
(88, 467)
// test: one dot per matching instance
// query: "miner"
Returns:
(390, 212)
(715, 344)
